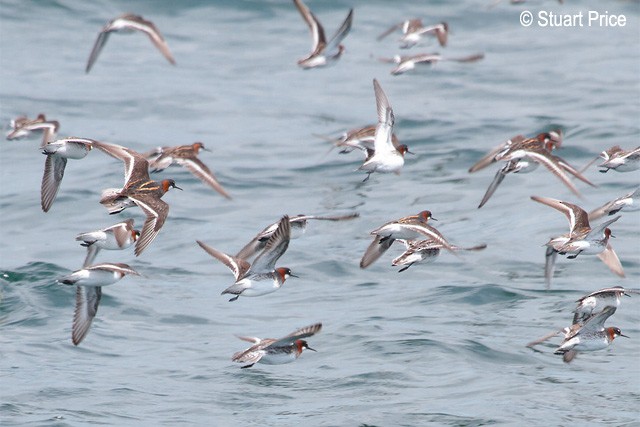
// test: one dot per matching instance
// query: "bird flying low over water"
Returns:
(581, 238)
(385, 157)
(23, 126)
(272, 351)
(323, 52)
(89, 282)
(262, 277)
(138, 190)
(186, 155)
(57, 153)
(129, 23)
(298, 225)
(413, 30)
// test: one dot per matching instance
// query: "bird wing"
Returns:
(578, 218)
(384, 128)
(611, 260)
(275, 247)
(340, 34)
(87, 301)
(305, 332)
(317, 32)
(103, 36)
(494, 184)
(375, 251)
(53, 173)
(202, 172)
(156, 211)
(156, 38)
(237, 265)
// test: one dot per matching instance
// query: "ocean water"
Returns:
(439, 344)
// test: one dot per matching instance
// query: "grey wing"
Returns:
(327, 218)
(202, 172)
(549, 265)
(494, 184)
(487, 159)
(597, 231)
(87, 301)
(156, 38)
(275, 247)
(53, 172)
(305, 332)
(596, 322)
(103, 36)
(389, 31)
(238, 266)
(611, 260)
(92, 252)
(375, 251)
(341, 33)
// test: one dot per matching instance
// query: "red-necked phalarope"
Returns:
(89, 281)
(272, 351)
(323, 53)
(261, 277)
(129, 23)
(186, 155)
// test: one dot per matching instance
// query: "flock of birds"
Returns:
(254, 266)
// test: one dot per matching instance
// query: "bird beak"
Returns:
(622, 335)
(293, 275)
(309, 348)
(175, 186)
(432, 218)
(411, 152)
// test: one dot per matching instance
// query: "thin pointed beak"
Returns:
(410, 152)
(309, 348)
(623, 335)
(432, 218)
(175, 186)
(293, 275)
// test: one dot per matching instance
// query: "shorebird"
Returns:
(272, 351)
(591, 336)
(358, 138)
(118, 236)
(425, 251)
(323, 53)
(629, 203)
(23, 126)
(530, 150)
(186, 155)
(413, 30)
(385, 157)
(89, 282)
(406, 63)
(620, 160)
(57, 153)
(298, 225)
(581, 239)
(407, 228)
(138, 190)
(261, 277)
(129, 23)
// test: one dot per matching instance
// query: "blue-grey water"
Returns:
(441, 343)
